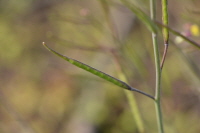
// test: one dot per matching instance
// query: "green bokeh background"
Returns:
(41, 93)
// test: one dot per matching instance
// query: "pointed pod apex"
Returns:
(43, 43)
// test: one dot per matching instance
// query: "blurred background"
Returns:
(41, 93)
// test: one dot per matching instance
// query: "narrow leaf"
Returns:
(180, 35)
(97, 72)
(141, 15)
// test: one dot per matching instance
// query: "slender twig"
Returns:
(164, 56)
(158, 71)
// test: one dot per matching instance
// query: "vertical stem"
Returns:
(158, 84)
(159, 116)
(158, 71)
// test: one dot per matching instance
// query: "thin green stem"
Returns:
(159, 116)
(158, 71)
(158, 84)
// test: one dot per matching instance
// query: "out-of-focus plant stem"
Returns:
(130, 96)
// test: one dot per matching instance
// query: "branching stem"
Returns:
(158, 71)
